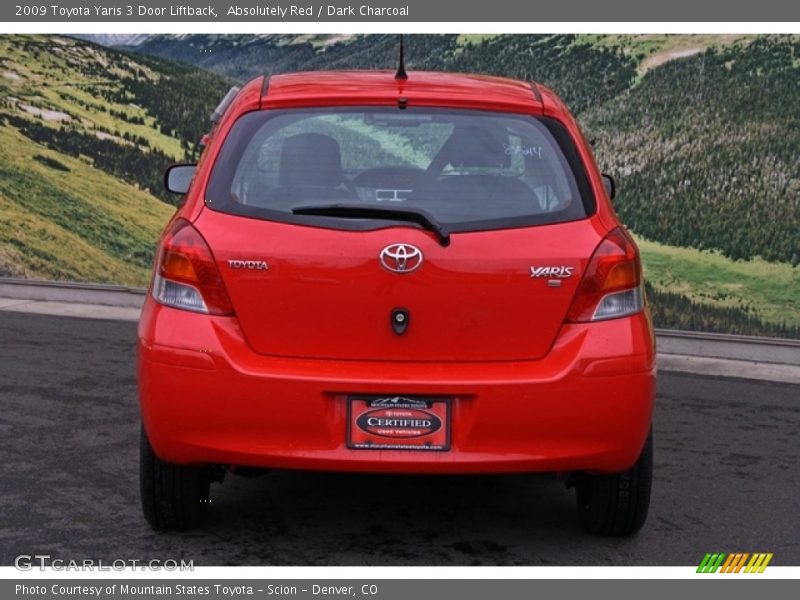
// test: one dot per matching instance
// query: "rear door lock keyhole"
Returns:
(400, 318)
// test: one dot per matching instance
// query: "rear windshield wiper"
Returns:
(357, 211)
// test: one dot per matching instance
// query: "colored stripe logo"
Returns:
(737, 562)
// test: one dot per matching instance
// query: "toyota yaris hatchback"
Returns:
(384, 274)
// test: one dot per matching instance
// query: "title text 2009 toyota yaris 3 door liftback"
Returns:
(384, 274)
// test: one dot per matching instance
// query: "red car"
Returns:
(386, 273)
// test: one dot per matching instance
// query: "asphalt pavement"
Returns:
(726, 479)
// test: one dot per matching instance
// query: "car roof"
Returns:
(421, 88)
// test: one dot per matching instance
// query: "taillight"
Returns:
(186, 276)
(612, 284)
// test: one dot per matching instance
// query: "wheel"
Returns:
(617, 504)
(173, 496)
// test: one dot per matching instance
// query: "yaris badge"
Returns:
(559, 271)
(401, 258)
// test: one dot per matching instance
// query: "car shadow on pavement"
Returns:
(349, 519)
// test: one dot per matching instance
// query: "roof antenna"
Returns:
(401, 68)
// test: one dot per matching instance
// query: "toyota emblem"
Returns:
(401, 258)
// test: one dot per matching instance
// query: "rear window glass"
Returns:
(470, 170)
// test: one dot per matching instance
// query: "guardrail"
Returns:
(685, 343)
(85, 293)
(780, 351)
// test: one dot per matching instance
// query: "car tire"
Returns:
(617, 504)
(174, 497)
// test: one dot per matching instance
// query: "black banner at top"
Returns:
(309, 11)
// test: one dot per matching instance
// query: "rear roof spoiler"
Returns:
(224, 104)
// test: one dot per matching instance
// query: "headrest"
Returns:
(470, 146)
(311, 160)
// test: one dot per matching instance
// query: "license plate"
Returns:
(398, 423)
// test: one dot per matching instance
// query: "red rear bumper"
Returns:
(207, 398)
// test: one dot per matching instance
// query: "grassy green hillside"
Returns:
(62, 219)
(128, 115)
(704, 290)
(85, 134)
